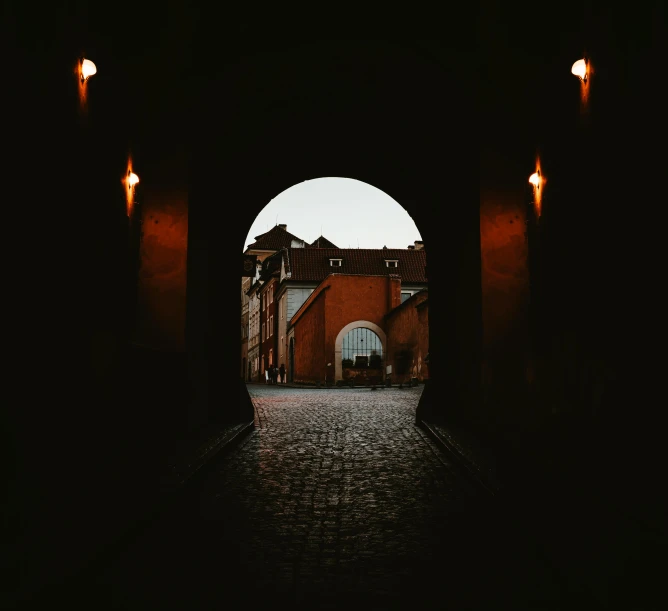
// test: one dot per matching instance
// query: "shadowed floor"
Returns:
(336, 499)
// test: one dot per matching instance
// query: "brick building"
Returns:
(340, 330)
(407, 328)
(288, 275)
(264, 246)
(269, 278)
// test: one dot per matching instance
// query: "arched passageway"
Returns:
(384, 135)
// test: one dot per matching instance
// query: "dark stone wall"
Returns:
(507, 367)
(161, 307)
(92, 415)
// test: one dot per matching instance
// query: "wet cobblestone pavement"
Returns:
(337, 499)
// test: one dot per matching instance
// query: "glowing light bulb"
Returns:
(534, 179)
(579, 69)
(133, 179)
(88, 69)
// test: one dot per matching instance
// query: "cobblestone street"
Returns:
(337, 498)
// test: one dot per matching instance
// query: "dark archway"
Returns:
(337, 110)
(401, 116)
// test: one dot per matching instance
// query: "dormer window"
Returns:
(392, 262)
(335, 262)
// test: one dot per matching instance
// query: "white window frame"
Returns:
(335, 262)
(392, 263)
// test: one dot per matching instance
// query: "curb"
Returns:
(181, 476)
(458, 458)
(334, 387)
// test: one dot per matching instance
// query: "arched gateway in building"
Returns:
(359, 345)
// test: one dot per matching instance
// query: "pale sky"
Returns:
(348, 212)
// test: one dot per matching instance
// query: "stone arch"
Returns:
(338, 369)
(333, 132)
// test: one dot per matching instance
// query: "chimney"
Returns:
(419, 244)
(283, 226)
(393, 291)
(410, 247)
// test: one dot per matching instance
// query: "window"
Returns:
(392, 262)
(263, 303)
(405, 295)
(271, 358)
(362, 348)
(335, 262)
(271, 326)
(263, 335)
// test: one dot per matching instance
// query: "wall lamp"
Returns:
(132, 180)
(581, 69)
(87, 69)
(534, 179)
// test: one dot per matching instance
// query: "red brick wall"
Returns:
(310, 350)
(348, 298)
(408, 332)
(354, 298)
(270, 342)
(423, 341)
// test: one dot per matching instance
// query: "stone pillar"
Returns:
(505, 306)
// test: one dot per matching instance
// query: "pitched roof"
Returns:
(323, 242)
(274, 239)
(420, 295)
(272, 265)
(312, 264)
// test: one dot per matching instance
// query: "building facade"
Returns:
(254, 316)
(407, 328)
(245, 329)
(287, 278)
(253, 362)
(269, 279)
(340, 329)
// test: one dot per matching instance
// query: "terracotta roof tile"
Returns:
(312, 264)
(274, 239)
(323, 242)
